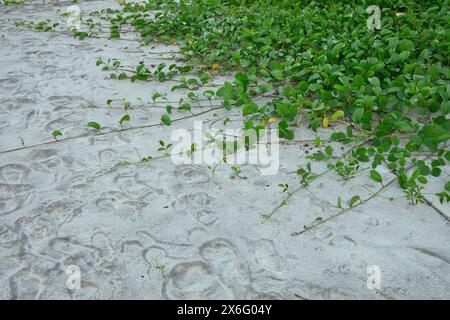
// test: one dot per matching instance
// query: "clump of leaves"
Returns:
(164, 147)
(390, 85)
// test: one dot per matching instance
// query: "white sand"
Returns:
(162, 231)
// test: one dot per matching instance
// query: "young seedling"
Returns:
(146, 159)
(161, 268)
(306, 175)
(56, 134)
(237, 173)
(164, 148)
(284, 187)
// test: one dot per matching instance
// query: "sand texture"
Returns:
(157, 230)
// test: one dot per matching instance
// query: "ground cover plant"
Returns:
(318, 63)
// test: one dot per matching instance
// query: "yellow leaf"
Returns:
(272, 120)
(215, 66)
(325, 122)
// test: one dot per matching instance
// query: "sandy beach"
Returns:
(157, 230)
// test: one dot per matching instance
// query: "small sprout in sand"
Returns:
(237, 173)
(56, 133)
(94, 125)
(161, 268)
(146, 159)
(284, 187)
(164, 147)
(236, 170)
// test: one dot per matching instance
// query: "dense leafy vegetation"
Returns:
(321, 60)
(320, 64)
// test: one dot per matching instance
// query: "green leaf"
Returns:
(315, 86)
(354, 200)
(422, 180)
(122, 76)
(185, 106)
(250, 108)
(375, 81)
(285, 110)
(277, 74)
(165, 119)
(227, 104)
(284, 132)
(94, 125)
(436, 172)
(406, 45)
(315, 124)
(402, 180)
(357, 115)
(336, 49)
(124, 118)
(303, 86)
(404, 55)
(376, 176)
